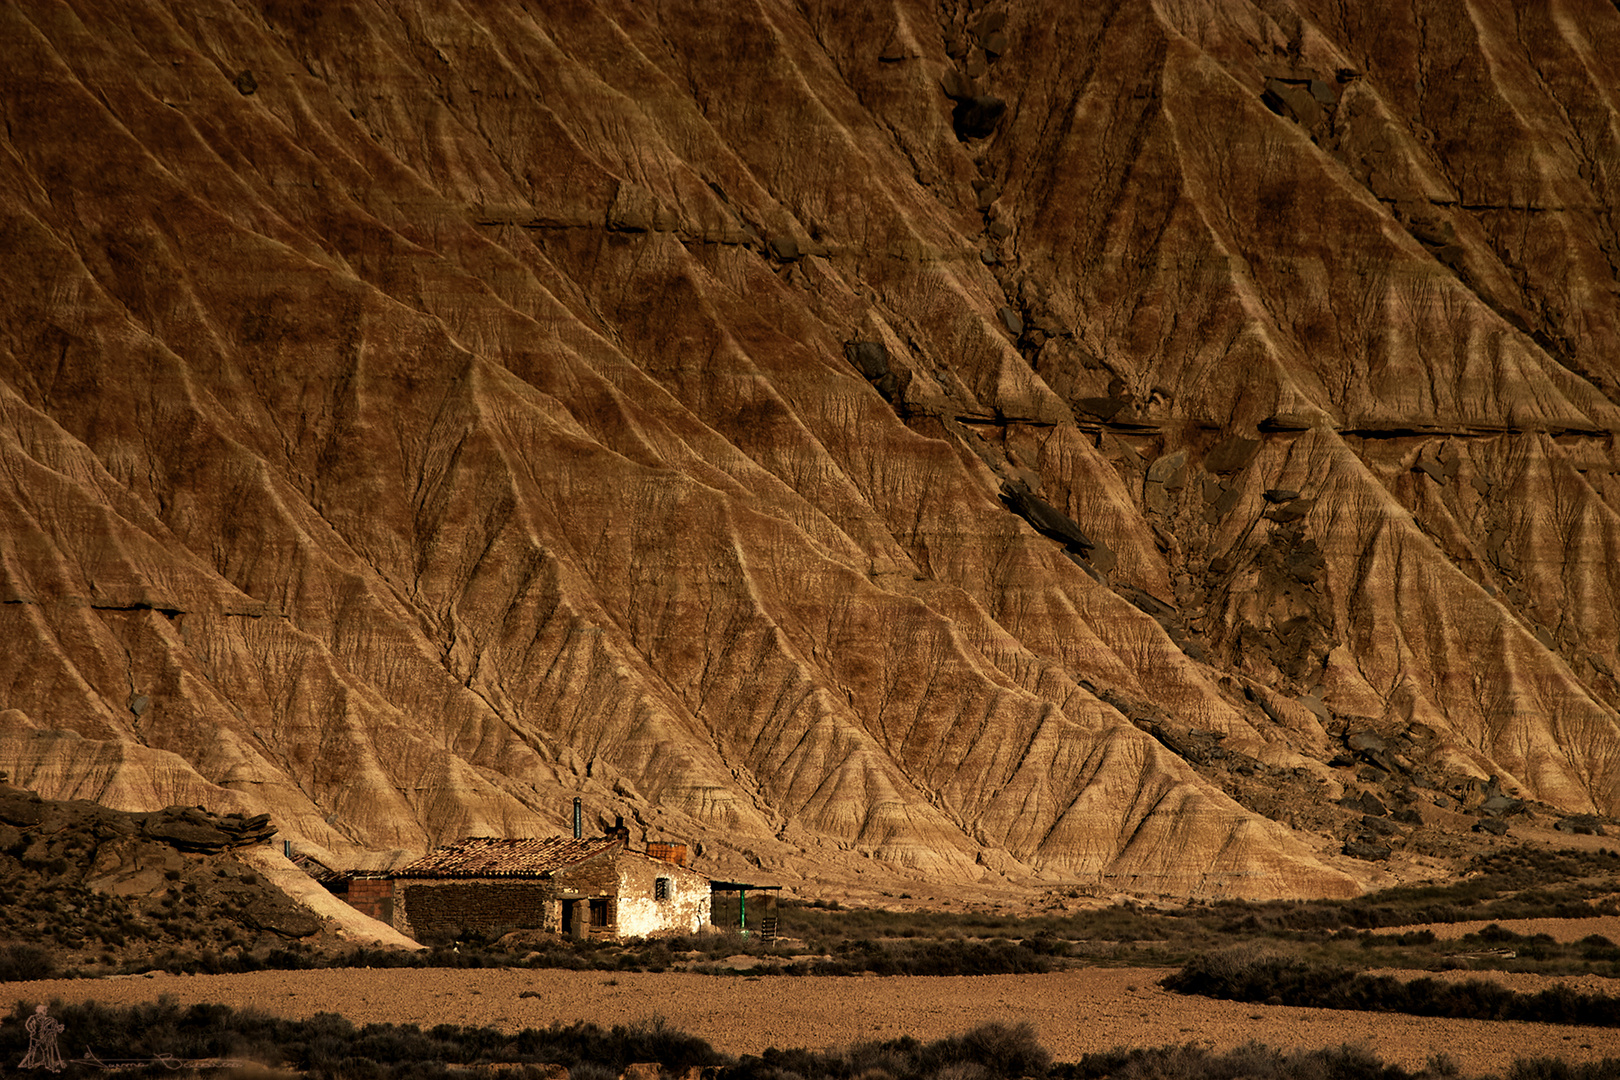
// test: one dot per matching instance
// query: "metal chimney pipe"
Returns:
(579, 820)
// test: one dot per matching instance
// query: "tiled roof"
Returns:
(488, 856)
(316, 869)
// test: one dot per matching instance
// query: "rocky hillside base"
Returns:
(1418, 825)
(1157, 448)
(84, 888)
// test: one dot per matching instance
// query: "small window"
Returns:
(661, 889)
(599, 913)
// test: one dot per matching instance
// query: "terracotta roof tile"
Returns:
(488, 856)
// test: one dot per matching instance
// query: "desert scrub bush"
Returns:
(1558, 1069)
(1248, 975)
(1520, 882)
(1251, 1061)
(22, 960)
(329, 1046)
(987, 1052)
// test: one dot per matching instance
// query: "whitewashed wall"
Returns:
(640, 915)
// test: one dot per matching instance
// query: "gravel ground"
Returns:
(1073, 1012)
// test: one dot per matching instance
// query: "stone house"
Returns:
(581, 888)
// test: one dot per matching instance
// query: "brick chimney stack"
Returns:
(670, 853)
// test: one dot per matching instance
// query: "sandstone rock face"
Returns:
(840, 435)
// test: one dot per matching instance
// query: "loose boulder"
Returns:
(976, 117)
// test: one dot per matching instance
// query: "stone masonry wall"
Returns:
(626, 882)
(432, 910)
(594, 879)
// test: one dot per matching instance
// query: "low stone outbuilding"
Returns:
(581, 888)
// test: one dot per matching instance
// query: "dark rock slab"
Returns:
(1293, 101)
(1224, 505)
(267, 911)
(957, 86)
(187, 835)
(1380, 826)
(1290, 512)
(1104, 408)
(785, 248)
(1045, 518)
(20, 807)
(1366, 740)
(1366, 803)
(1358, 849)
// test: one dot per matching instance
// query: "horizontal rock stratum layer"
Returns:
(838, 434)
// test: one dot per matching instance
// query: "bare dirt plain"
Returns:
(1073, 1012)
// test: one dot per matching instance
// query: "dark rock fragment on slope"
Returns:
(1293, 101)
(1362, 741)
(1360, 849)
(871, 358)
(1581, 825)
(1045, 518)
(976, 114)
(976, 117)
(1366, 803)
(1230, 455)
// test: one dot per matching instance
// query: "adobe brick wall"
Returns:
(372, 896)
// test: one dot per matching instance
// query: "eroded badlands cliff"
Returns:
(907, 437)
